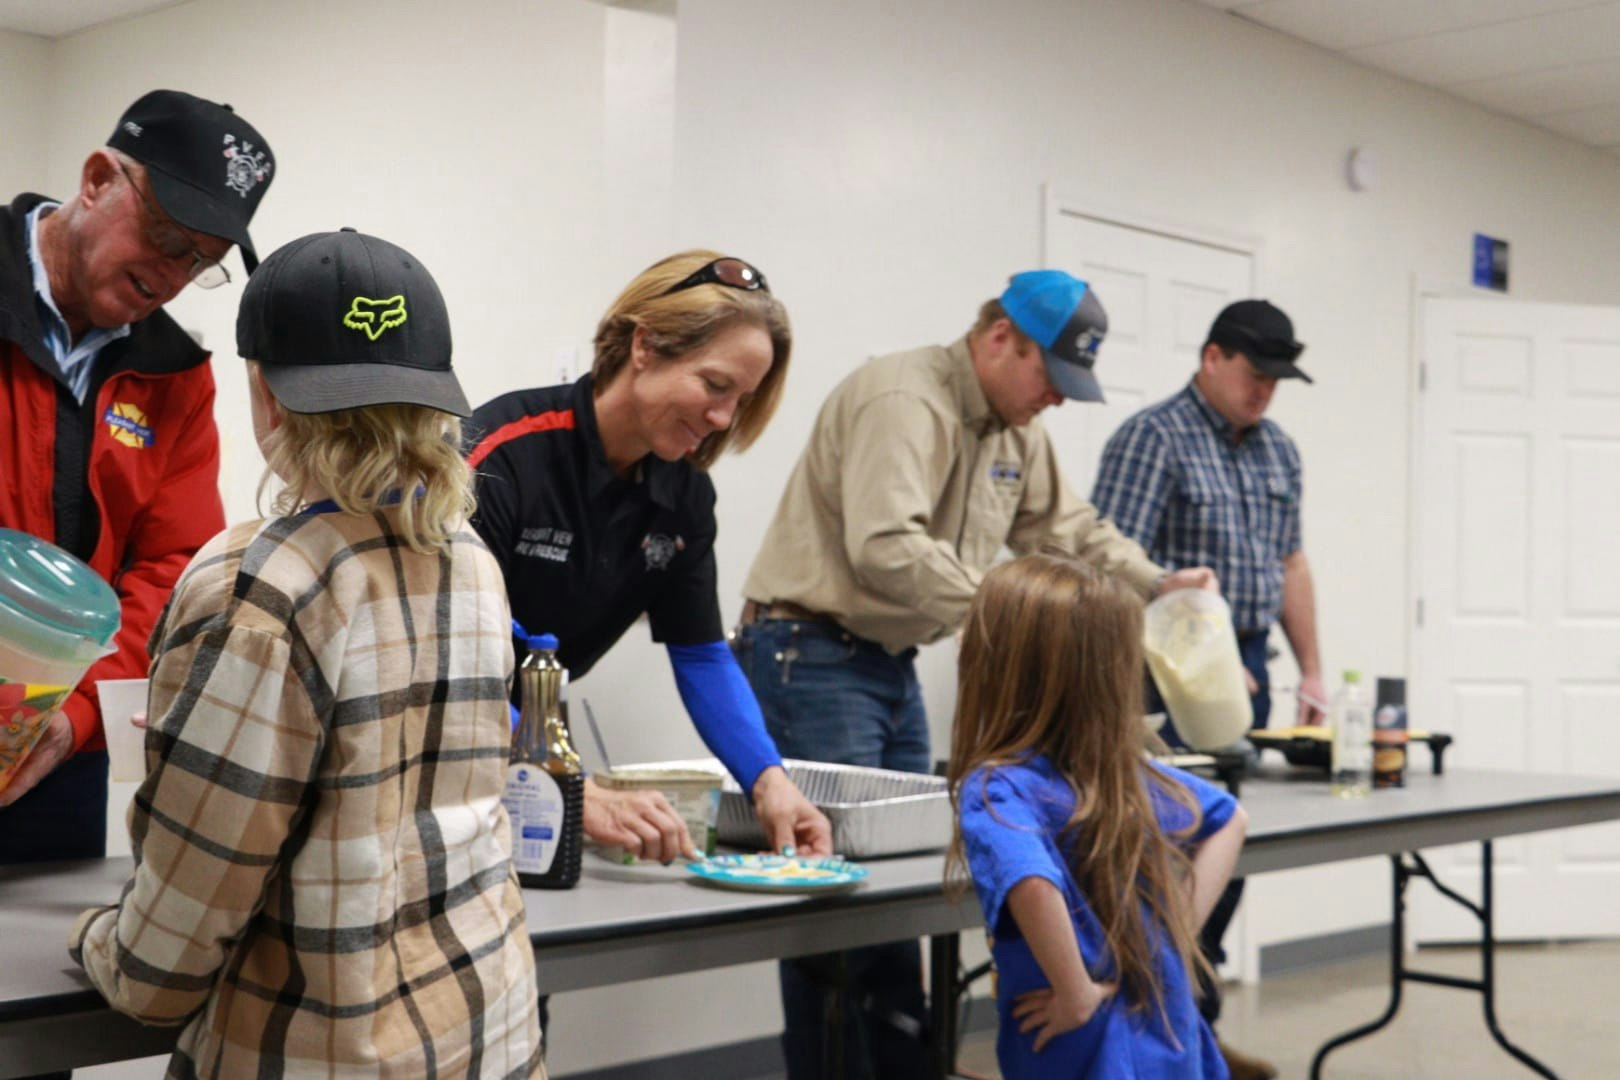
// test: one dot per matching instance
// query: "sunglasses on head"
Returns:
(727, 271)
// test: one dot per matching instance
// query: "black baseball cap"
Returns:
(340, 320)
(208, 167)
(1261, 332)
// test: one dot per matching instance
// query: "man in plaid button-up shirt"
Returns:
(1204, 479)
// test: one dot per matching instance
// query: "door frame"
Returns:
(1081, 204)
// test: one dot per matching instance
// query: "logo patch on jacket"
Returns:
(660, 549)
(1006, 474)
(127, 424)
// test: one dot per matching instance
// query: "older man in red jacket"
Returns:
(107, 444)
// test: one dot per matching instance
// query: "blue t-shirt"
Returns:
(1012, 817)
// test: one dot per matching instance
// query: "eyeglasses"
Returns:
(732, 273)
(170, 241)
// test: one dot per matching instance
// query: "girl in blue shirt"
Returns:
(1095, 867)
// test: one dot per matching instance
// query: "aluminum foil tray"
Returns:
(873, 811)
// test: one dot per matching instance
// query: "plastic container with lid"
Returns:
(1193, 654)
(57, 617)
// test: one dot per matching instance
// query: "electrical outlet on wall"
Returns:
(567, 364)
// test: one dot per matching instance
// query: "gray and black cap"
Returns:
(341, 320)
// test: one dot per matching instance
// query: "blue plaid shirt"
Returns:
(1173, 480)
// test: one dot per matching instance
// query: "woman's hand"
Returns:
(50, 751)
(788, 817)
(641, 822)
(1049, 1013)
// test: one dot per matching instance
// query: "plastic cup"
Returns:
(126, 743)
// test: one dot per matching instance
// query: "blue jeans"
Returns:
(828, 695)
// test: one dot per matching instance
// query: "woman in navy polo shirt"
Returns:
(595, 500)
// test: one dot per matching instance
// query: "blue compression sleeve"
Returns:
(724, 710)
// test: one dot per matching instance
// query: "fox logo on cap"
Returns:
(375, 316)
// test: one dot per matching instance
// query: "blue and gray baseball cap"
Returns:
(1061, 314)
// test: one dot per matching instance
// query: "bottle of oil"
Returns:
(545, 784)
(1352, 739)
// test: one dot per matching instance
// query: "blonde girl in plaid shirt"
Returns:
(323, 883)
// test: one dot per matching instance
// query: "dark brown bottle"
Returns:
(545, 783)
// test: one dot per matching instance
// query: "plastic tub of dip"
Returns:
(57, 617)
(693, 792)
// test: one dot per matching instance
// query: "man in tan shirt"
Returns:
(922, 466)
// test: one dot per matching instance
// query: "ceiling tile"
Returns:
(1541, 93)
(1599, 126)
(1350, 24)
(1500, 49)
(58, 18)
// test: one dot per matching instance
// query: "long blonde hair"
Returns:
(359, 456)
(1051, 663)
(676, 324)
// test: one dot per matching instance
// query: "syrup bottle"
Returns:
(545, 783)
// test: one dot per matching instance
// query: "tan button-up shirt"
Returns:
(909, 489)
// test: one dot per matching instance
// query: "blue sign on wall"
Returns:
(1490, 262)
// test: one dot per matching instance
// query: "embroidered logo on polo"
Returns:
(372, 317)
(1006, 474)
(660, 550)
(245, 167)
(127, 424)
(545, 543)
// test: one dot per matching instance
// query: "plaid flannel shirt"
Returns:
(323, 881)
(1173, 480)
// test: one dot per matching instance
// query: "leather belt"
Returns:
(754, 612)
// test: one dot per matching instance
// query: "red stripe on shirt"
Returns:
(556, 419)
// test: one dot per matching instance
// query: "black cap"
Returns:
(1260, 331)
(339, 320)
(208, 167)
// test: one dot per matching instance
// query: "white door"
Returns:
(1161, 292)
(1517, 654)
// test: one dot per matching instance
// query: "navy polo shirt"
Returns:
(586, 552)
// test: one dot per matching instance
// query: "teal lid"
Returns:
(44, 589)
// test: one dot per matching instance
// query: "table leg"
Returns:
(1397, 969)
(1488, 966)
(1485, 986)
(944, 954)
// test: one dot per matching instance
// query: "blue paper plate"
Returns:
(779, 873)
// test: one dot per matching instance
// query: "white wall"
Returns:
(24, 112)
(884, 165)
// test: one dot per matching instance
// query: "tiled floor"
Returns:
(1555, 1001)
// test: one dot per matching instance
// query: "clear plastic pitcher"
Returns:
(1193, 654)
(57, 617)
